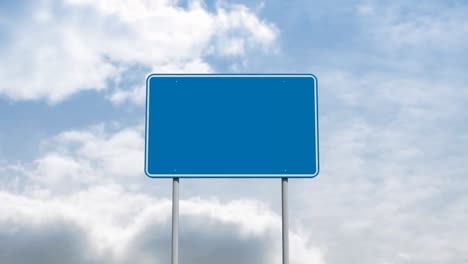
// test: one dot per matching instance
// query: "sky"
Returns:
(393, 131)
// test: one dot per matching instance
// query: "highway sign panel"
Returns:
(231, 126)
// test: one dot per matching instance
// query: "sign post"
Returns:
(231, 126)
(175, 221)
(284, 220)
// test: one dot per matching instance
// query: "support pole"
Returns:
(175, 221)
(284, 212)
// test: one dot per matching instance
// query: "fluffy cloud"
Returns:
(376, 193)
(75, 159)
(399, 25)
(392, 169)
(60, 48)
(410, 40)
(83, 197)
(106, 224)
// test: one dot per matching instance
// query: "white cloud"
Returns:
(399, 28)
(75, 159)
(380, 183)
(106, 224)
(56, 170)
(137, 93)
(392, 168)
(63, 48)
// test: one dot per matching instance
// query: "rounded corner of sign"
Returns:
(316, 173)
(152, 75)
(149, 175)
(312, 76)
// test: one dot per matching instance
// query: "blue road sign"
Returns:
(231, 126)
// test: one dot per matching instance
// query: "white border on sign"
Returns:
(215, 175)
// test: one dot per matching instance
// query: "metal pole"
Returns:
(284, 212)
(175, 221)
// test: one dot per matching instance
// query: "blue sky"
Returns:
(392, 84)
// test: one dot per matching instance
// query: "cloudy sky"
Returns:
(394, 134)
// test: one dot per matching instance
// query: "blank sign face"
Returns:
(222, 126)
